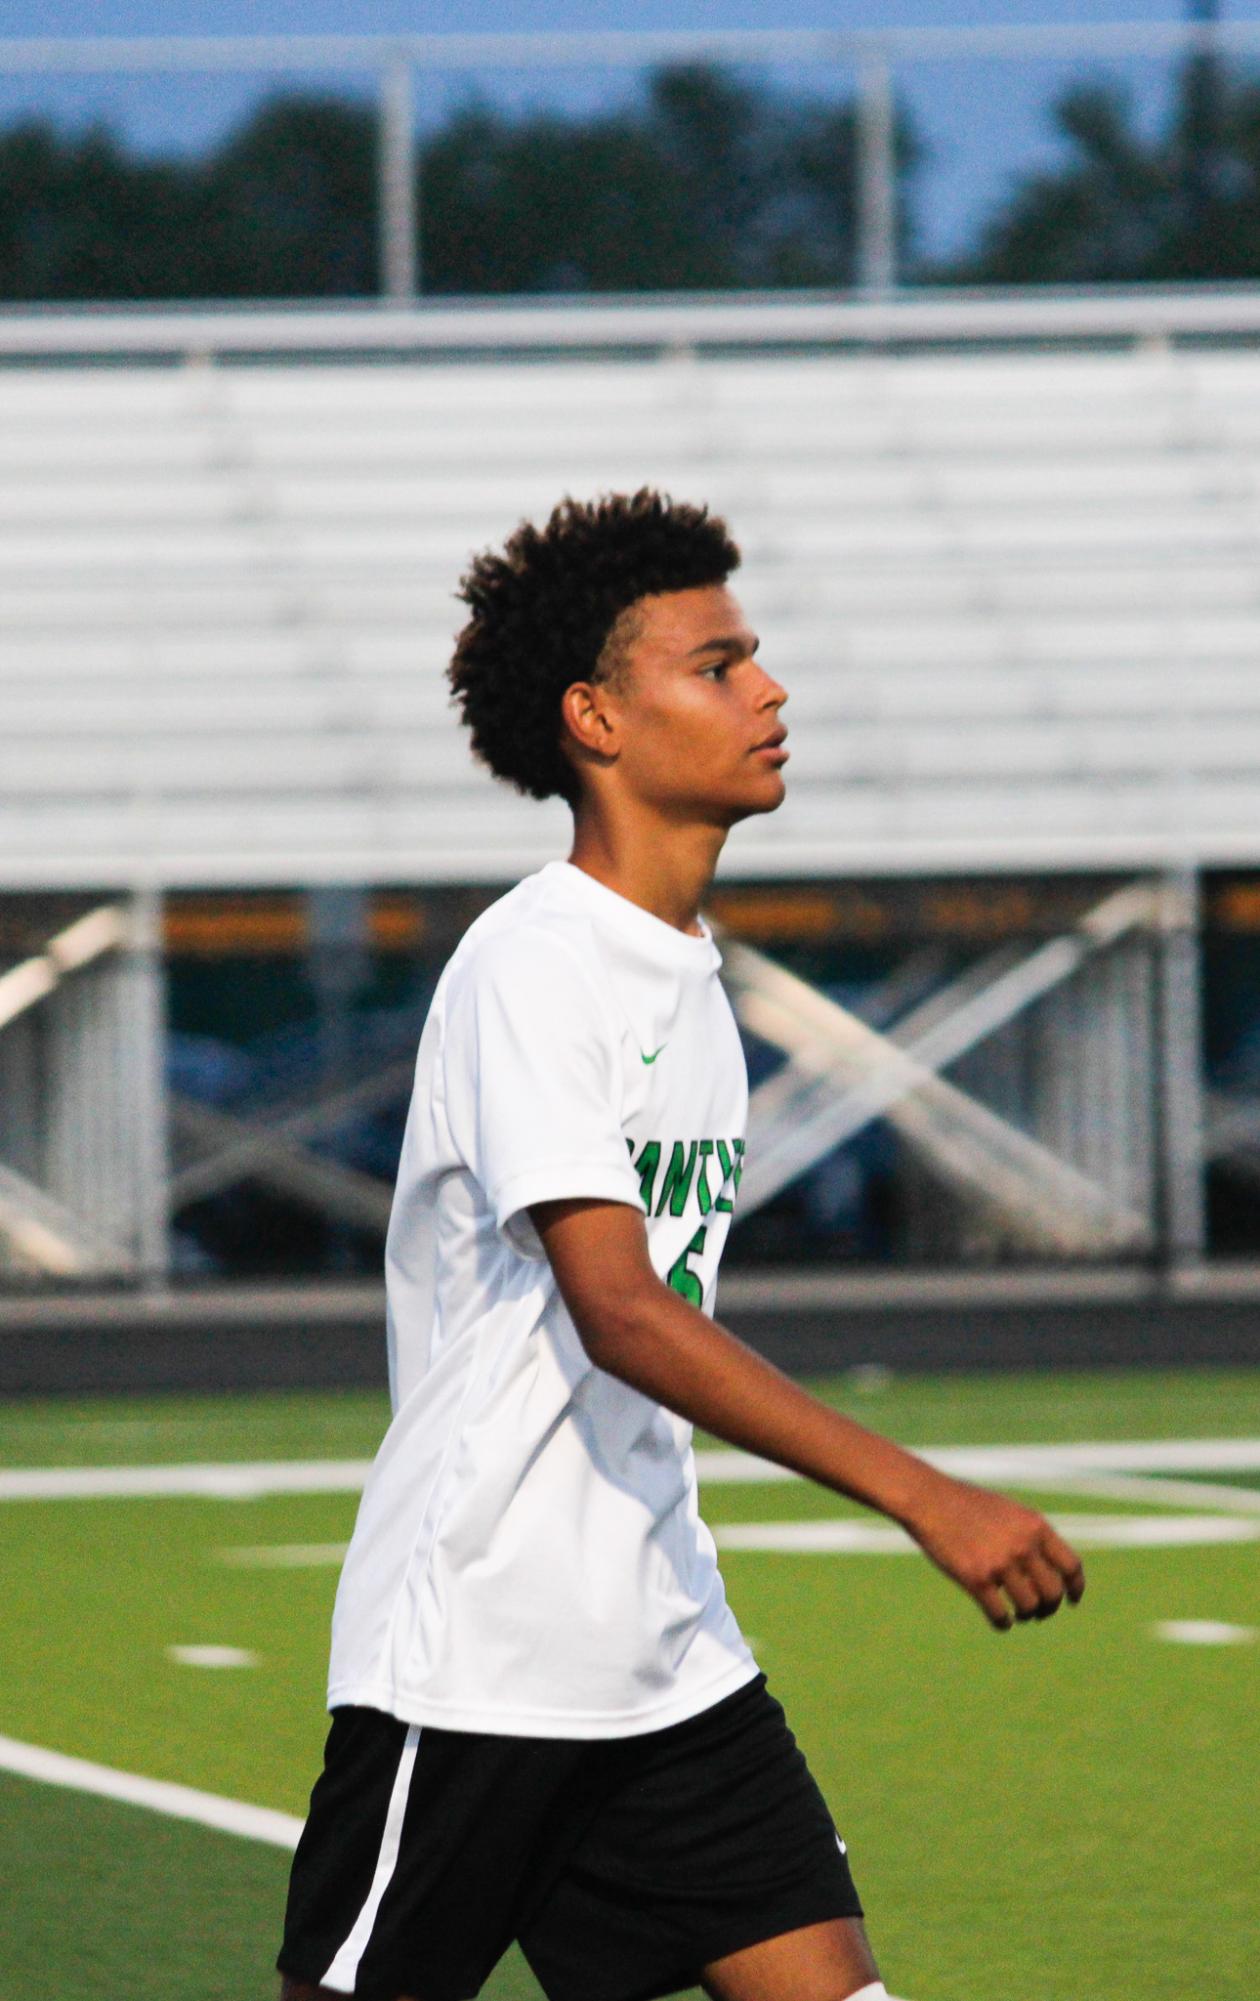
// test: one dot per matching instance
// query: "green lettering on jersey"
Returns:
(685, 1282)
(645, 1167)
(726, 1163)
(739, 1162)
(703, 1196)
(676, 1186)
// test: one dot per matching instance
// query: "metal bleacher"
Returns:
(1004, 554)
(1013, 590)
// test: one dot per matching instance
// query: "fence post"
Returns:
(877, 175)
(1181, 1067)
(397, 213)
(146, 1030)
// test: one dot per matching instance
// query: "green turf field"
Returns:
(1063, 1813)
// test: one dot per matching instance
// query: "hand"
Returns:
(1007, 1557)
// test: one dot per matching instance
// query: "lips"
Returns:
(772, 742)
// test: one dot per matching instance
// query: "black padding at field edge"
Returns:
(79, 1353)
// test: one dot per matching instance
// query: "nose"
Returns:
(772, 694)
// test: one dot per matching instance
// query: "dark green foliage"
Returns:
(80, 219)
(1184, 204)
(708, 181)
(552, 206)
(283, 209)
(712, 182)
(291, 200)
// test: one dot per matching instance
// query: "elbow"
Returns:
(611, 1326)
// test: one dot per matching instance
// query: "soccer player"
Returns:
(547, 1725)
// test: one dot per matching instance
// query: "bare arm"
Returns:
(1008, 1557)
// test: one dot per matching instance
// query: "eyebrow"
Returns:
(731, 644)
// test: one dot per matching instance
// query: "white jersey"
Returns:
(529, 1557)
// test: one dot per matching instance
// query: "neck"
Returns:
(663, 867)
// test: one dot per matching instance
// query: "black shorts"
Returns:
(622, 1866)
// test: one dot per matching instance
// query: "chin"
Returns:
(766, 797)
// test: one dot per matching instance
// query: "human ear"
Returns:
(590, 719)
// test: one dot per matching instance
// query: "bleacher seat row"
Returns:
(1015, 598)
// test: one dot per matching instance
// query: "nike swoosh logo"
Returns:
(655, 1053)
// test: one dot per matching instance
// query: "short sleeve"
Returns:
(530, 1070)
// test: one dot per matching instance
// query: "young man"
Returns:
(547, 1725)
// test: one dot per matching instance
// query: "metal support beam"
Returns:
(842, 1074)
(1181, 1121)
(145, 1000)
(397, 206)
(859, 1075)
(1204, 92)
(660, 327)
(877, 177)
(233, 1142)
(634, 48)
(82, 1099)
(344, 1193)
(80, 944)
(45, 1239)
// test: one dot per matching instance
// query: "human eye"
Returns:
(718, 669)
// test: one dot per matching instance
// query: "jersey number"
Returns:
(685, 1281)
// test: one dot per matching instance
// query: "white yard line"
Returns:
(721, 1468)
(1027, 1465)
(247, 1480)
(285, 1556)
(848, 1538)
(1030, 1463)
(1162, 1455)
(53, 1768)
(823, 1538)
(212, 1657)
(1011, 1465)
(1207, 1494)
(1204, 1633)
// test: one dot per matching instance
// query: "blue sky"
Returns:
(984, 121)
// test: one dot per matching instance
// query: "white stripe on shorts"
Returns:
(343, 1972)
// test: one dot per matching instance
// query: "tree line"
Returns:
(706, 182)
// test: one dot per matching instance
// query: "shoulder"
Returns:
(523, 946)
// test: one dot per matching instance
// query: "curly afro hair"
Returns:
(544, 613)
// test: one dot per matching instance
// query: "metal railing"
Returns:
(667, 324)
(873, 56)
